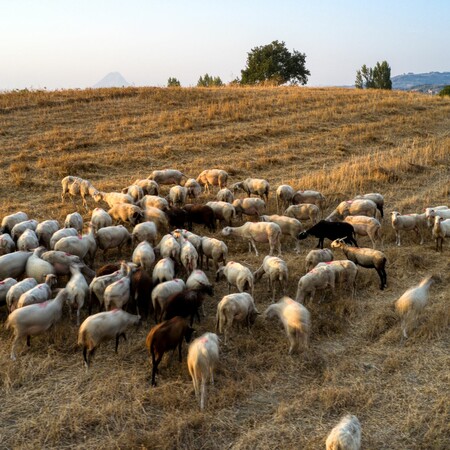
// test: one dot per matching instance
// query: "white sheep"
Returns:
(13, 264)
(213, 177)
(167, 176)
(144, 256)
(441, 230)
(117, 294)
(309, 196)
(61, 261)
(113, 237)
(113, 198)
(193, 188)
(84, 246)
(193, 238)
(296, 320)
(214, 249)
(38, 294)
(161, 294)
(164, 270)
(7, 244)
(346, 435)
(277, 272)
(5, 287)
(64, 232)
(431, 213)
(103, 327)
(100, 218)
(320, 278)
(154, 201)
(188, 256)
(257, 186)
(177, 196)
(197, 279)
(377, 198)
(169, 247)
(45, 230)
(74, 220)
(235, 308)
(37, 267)
(14, 293)
(366, 226)
(237, 275)
(35, 319)
(126, 213)
(303, 211)
(135, 191)
(9, 221)
(203, 356)
(257, 232)
(316, 256)
(150, 187)
(27, 241)
(145, 231)
(359, 207)
(284, 195)
(345, 272)
(223, 211)
(249, 207)
(158, 217)
(21, 227)
(288, 225)
(77, 290)
(225, 195)
(408, 222)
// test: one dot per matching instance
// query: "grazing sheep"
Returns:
(346, 435)
(35, 319)
(37, 267)
(62, 261)
(296, 320)
(144, 256)
(5, 287)
(167, 336)
(13, 264)
(213, 177)
(214, 249)
(150, 187)
(177, 196)
(167, 176)
(8, 222)
(314, 257)
(276, 270)
(102, 327)
(74, 220)
(169, 247)
(345, 272)
(365, 226)
(27, 241)
(197, 280)
(193, 188)
(100, 218)
(235, 308)
(257, 232)
(188, 256)
(117, 294)
(158, 217)
(145, 231)
(141, 290)
(203, 356)
(441, 230)
(7, 245)
(21, 227)
(288, 225)
(164, 270)
(412, 302)
(359, 207)
(135, 191)
(161, 294)
(377, 198)
(64, 232)
(225, 195)
(126, 213)
(365, 257)
(39, 294)
(319, 278)
(406, 222)
(153, 201)
(83, 246)
(77, 186)
(284, 195)
(236, 275)
(113, 198)
(177, 217)
(313, 197)
(223, 211)
(77, 290)
(249, 207)
(201, 214)
(14, 293)
(113, 237)
(45, 230)
(257, 186)
(193, 238)
(304, 211)
(330, 230)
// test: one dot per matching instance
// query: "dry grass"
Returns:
(342, 142)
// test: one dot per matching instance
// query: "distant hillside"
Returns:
(113, 79)
(423, 82)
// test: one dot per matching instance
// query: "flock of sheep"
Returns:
(39, 254)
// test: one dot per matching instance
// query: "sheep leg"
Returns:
(28, 340)
(252, 242)
(155, 364)
(203, 394)
(419, 233)
(179, 349)
(117, 340)
(382, 277)
(13, 348)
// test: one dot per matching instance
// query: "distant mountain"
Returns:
(424, 82)
(113, 79)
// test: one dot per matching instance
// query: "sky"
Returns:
(57, 44)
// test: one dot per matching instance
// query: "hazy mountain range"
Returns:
(113, 79)
(424, 82)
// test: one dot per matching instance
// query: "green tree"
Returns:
(209, 81)
(377, 78)
(444, 91)
(276, 64)
(173, 82)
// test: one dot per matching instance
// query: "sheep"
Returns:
(145, 231)
(13, 264)
(83, 246)
(412, 302)
(365, 257)
(86, 188)
(126, 213)
(7, 245)
(162, 292)
(76, 185)
(113, 237)
(198, 279)
(149, 187)
(117, 294)
(405, 223)
(102, 327)
(225, 195)
(257, 186)
(144, 256)
(141, 289)
(203, 356)
(296, 320)
(77, 290)
(235, 308)
(441, 229)
(276, 270)
(158, 217)
(313, 197)
(431, 213)
(284, 195)
(365, 226)
(21, 227)
(100, 218)
(223, 211)
(5, 287)
(74, 220)
(45, 230)
(167, 336)
(8, 222)
(135, 191)
(289, 227)
(27, 241)
(236, 275)
(167, 176)
(359, 207)
(188, 256)
(314, 257)
(62, 261)
(14, 293)
(346, 435)
(213, 177)
(153, 201)
(64, 232)
(177, 217)
(214, 249)
(193, 188)
(113, 198)
(201, 214)
(345, 273)
(304, 211)
(35, 319)
(169, 247)
(37, 267)
(319, 278)
(164, 270)
(377, 198)
(330, 230)
(193, 238)
(249, 207)
(39, 294)
(177, 196)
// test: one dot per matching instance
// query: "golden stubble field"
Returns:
(341, 142)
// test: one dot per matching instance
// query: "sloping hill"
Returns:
(421, 81)
(113, 79)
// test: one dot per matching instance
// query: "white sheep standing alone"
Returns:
(346, 435)
(236, 275)
(276, 270)
(406, 222)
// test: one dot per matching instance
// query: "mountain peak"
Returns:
(113, 79)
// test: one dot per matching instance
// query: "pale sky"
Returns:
(74, 43)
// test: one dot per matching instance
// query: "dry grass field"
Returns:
(340, 142)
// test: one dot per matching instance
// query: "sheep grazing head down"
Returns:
(302, 235)
(226, 231)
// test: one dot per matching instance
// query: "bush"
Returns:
(445, 91)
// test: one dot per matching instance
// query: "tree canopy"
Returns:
(173, 82)
(377, 78)
(209, 81)
(276, 64)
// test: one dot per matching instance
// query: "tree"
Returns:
(209, 81)
(276, 64)
(377, 78)
(444, 91)
(173, 82)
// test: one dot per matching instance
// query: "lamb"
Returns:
(177, 196)
(39, 294)
(7, 245)
(21, 227)
(100, 218)
(113, 198)
(164, 337)
(223, 211)
(284, 195)
(441, 229)
(289, 227)
(153, 201)
(296, 320)
(365, 257)
(126, 213)
(145, 231)
(135, 191)
(203, 356)
(193, 188)
(365, 226)
(35, 319)
(214, 249)
(102, 327)
(149, 187)
(188, 256)
(305, 211)
(117, 294)
(346, 435)
(257, 232)
(276, 270)
(431, 213)
(330, 230)
(169, 247)
(8, 222)
(45, 230)
(345, 273)
(213, 177)
(14, 293)
(257, 186)
(83, 246)
(144, 256)
(113, 237)
(37, 267)
(74, 220)
(237, 275)
(313, 197)
(319, 278)
(167, 176)
(164, 270)
(77, 290)
(5, 287)
(235, 308)
(377, 198)
(407, 222)
(412, 302)
(13, 264)
(27, 241)
(249, 207)
(64, 232)
(158, 217)
(359, 207)
(225, 195)
(162, 292)
(314, 257)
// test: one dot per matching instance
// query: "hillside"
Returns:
(421, 82)
(338, 141)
